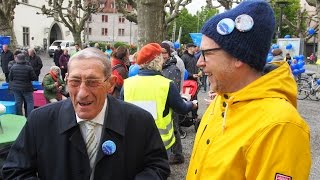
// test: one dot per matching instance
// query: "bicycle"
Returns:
(309, 87)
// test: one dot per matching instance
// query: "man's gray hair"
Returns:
(54, 68)
(93, 53)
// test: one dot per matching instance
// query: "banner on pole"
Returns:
(196, 38)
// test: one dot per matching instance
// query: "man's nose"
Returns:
(200, 62)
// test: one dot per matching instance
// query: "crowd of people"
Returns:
(118, 127)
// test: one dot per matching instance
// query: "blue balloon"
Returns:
(269, 58)
(176, 45)
(289, 46)
(185, 74)
(270, 54)
(300, 64)
(311, 31)
(301, 57)
(133, 70)
(318, 81)
(287, 36)
(294, 66)
(295, 72)
(302, 70)
(274, 46)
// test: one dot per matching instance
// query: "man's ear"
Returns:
(238, 63)
(111, 84)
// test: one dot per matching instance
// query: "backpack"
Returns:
(119, 82)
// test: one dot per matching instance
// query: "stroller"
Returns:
(190, 90)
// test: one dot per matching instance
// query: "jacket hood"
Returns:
(171, 61)
(278, 83)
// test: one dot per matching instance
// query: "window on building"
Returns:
(24, 1)
(112, 5)
(104, 31)
(120, 32)
(104, 18)
(88, 31)
(26, 36)
(121, 19)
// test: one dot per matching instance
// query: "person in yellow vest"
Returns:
(252, 129)
(155, 93)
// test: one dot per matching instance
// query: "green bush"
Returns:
(102, 45)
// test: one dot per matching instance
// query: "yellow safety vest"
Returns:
(150, 93)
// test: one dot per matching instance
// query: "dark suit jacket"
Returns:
(51, 146)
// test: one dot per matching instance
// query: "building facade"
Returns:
(111, 26)
(35, 29)
(32, 28)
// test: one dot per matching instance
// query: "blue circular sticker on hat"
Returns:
(225, 26)
(244, 23)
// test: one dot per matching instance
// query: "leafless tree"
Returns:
(73, 14)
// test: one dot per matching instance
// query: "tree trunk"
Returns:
(77, 37)
(150, 21)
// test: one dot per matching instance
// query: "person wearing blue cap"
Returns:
(251, 129)
(91, 135)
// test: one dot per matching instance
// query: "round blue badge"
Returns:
(244, 23)
(109, 147)
(225, 26)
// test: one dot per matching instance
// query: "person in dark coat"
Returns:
(35, 62)
(63, 63)
(190, 61)
(6, 57)
(56, 56)
(172, 72)
(52, 144)
(21, 77)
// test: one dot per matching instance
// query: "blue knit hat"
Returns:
(244, 32)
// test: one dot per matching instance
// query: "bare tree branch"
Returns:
(70, 14)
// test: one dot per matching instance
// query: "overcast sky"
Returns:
(195, 6)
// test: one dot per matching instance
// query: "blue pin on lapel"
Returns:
(109, 147)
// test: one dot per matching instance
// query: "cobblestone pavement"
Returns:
(308, 109)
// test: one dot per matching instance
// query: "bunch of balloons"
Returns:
(297, 66)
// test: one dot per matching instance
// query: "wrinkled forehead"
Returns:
(86, 67)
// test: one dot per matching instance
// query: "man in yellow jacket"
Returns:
(252, 129)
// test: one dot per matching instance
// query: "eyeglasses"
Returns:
(74, 82)
(205, 51)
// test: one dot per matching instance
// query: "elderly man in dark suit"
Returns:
(6, 57)
(90, 135)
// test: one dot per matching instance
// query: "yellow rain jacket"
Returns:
(255, 133)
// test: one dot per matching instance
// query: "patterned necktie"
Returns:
(91, 142)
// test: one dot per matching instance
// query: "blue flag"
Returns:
(196, 38)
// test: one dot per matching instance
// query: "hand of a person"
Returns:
(194, 104)
(60, 88)
(195, 76)
(56, 84)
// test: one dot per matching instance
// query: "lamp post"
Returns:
(114, 11)
(281, 4)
